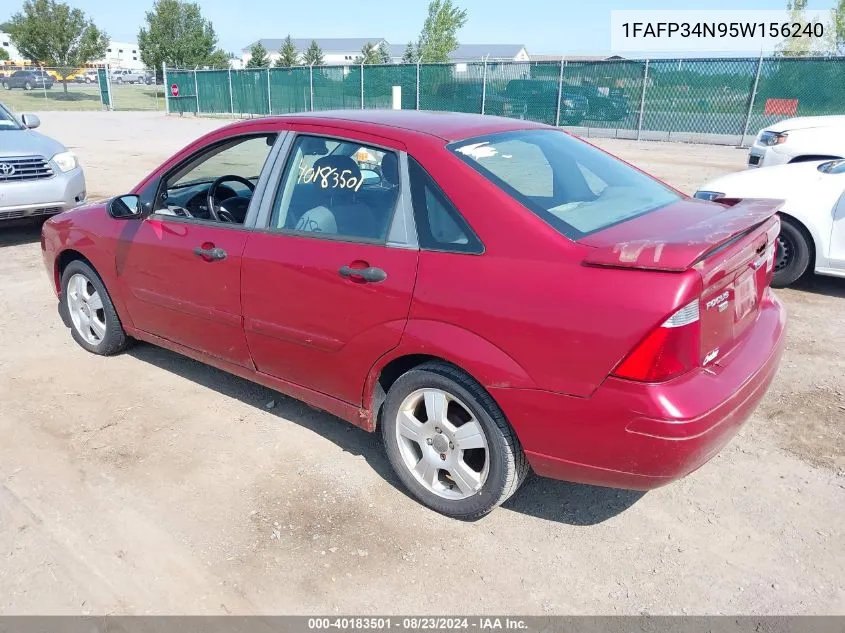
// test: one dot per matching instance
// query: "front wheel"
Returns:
(449, 442)
(94, 323)
(793, 255)
(27, 86)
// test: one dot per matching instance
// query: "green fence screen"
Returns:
(657, 98)
(105, 92)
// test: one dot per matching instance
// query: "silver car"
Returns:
(38, 176)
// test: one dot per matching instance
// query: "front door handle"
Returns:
(370, 274)
(213, 254)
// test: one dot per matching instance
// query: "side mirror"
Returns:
(30, 121)
(126, 207)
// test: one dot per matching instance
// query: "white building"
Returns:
(6, 45)
(336, 50)
(122, 55)
(474, 53)
(118, 54)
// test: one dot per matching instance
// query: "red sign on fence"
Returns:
(174, 90)
(787, 107)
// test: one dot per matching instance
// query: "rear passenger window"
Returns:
(440, 227)
(337, 189)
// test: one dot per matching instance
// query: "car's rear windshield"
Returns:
(575, 187)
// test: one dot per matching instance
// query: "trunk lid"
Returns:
(731, 244)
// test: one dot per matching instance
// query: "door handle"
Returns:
(371, 274)
(214, 254)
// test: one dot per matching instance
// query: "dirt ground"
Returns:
(148, 483)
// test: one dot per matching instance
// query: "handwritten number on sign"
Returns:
(328, 177)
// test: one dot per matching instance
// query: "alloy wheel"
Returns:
(442, 443)
(85, 307)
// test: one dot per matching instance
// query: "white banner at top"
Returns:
(722, 31)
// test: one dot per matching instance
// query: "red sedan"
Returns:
(490, 294)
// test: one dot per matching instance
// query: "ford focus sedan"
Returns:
(490, 295)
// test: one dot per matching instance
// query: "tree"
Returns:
(313, 55)
(178, 35)
(835, 30)
(288, 55)
(439, 35)
(796, 46)
(3, 54)
(369, 55)
(219, 59)
(52, 34)
(411, 55)
(258, 57)
(384, 52)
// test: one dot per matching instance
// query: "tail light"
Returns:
(669, 350)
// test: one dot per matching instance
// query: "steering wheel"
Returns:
(218, 211)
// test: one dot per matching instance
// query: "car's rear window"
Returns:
(573, 186)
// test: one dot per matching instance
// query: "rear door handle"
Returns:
(214, 254)
(371, 274)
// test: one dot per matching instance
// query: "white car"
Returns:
(800, 139)
(812, 235)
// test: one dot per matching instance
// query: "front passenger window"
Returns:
(337, 189)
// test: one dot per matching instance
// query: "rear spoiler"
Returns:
(679, 251)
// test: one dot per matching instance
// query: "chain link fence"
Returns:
(42, 88)
(723, 100)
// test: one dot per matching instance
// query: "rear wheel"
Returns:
(793, 255)
(94, 323)
(449, 442)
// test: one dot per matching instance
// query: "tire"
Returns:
(27, 86)
(497, 470)
(793, 254)
(6, 85)
(113, 340)
(120, 80)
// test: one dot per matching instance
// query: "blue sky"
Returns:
(544, 26)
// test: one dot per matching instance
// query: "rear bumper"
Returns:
(47, 196)
(642, 436)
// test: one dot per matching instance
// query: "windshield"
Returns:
(575, 187)
(8, 120)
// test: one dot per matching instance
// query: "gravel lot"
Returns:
(148, 483)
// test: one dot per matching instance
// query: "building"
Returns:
(118, 54)
(122, 55)
(11, 51)
(336, 50)
(339, 51)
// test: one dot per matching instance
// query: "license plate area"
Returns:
(745, 294)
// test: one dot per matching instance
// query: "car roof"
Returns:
(449, 126)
